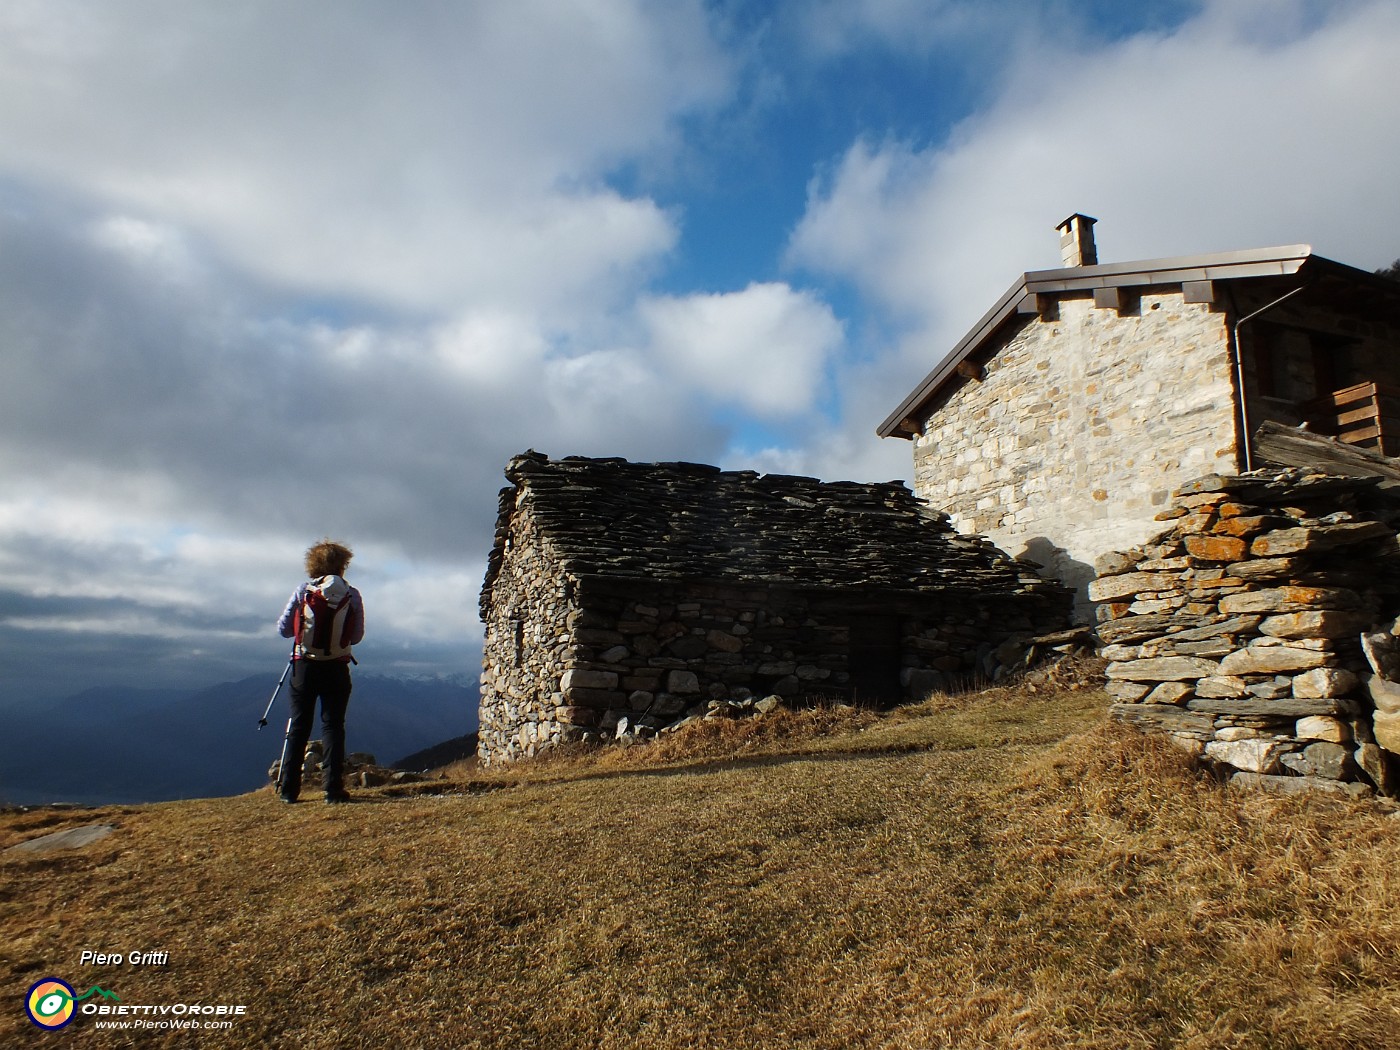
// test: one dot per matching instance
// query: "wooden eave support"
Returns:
(1036, 303)
(969, 369)
(1198, 291)
(1112, 298)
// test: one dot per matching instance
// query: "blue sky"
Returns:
(277, 270)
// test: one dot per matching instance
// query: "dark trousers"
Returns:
(329, 682)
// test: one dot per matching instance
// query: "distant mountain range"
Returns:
(440, 755)
(124, 745)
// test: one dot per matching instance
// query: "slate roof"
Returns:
(686, 521)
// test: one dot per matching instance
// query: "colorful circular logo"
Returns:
(49, 1003)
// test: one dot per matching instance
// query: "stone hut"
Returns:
(1059, 425)
(643, 591)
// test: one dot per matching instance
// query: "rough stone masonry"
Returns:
(621, 594)
(1259, 629)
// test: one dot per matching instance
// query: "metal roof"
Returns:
(1221, 266)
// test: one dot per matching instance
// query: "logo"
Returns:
(49, 1003)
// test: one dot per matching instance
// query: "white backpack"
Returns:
(322, 620)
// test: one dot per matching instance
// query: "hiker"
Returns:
(326, 616)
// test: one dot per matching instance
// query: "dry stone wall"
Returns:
(717, 641)
(651, 660)
(526, 639)
(649, 593)
(1242, 631)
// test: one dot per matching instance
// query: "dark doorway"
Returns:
(876, 648)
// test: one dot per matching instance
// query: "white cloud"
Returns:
(117, 540)
(431, 606)
(764, 349)
(493, 349)
(1214, 137)
(428, 156)
(548, 251)
(155, 246)
(1252, 124)
(132, 626)
(269, 272)
(98, 571)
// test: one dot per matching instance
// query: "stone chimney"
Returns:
(1077, 241)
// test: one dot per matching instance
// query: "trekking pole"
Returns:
(263, 720)
(282, 762)
(287, 736)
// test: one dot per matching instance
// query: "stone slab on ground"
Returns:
(1299, 785)
(70, 838)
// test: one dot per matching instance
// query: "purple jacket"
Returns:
(354, 624)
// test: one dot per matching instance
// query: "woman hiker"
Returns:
(326, 616)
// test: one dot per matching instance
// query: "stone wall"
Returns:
(648, 591)
(657, 653)
(1239, 631)
(526, 639)
(1080, 427)
(731, 641)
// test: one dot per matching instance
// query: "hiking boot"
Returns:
(335, 798)
(288, 799)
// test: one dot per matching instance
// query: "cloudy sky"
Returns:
(277, 270)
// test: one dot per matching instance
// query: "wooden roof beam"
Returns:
(1045, 306)
(970, 369)
(1198, 291)
(1112, 298)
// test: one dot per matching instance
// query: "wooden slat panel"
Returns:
(1368, 423)
(1362, 399)
(1346, 395)
(1355, 390)
(1369, 412)
(1356, 437)
(1362, 415)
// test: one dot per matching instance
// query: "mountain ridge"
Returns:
(129, 745)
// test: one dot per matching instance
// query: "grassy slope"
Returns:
(1004, 870)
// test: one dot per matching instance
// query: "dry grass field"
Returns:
(1002, 869)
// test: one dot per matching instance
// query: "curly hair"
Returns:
(327, 558)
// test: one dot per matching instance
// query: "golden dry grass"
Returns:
(999, 870)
